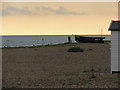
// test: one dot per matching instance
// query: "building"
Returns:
(115, 46)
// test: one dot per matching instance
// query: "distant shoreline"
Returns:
(49, 45)
(37, 46)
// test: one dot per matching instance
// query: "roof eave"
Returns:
(114, 29)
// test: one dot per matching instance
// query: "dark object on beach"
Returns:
(69, 40)
(33, 45)
(4, 46)
(75, 49)
(84, 39)
(90, 49)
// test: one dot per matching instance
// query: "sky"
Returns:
(57, 18)
(60, 0)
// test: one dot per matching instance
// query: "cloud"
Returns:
(62, 11)
(10, 10)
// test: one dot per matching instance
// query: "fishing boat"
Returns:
(85, 39)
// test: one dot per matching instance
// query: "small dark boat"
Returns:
(85, 39)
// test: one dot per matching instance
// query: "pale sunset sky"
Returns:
(60, 18)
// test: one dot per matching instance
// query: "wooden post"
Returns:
(69, 40)
(7, 43)
(42, 41)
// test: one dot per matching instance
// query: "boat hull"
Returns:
(82, 39)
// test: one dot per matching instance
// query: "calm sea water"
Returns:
(29, 40)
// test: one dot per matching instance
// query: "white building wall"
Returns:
(114, 51)
(118, 50)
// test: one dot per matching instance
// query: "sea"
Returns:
(30, 40)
